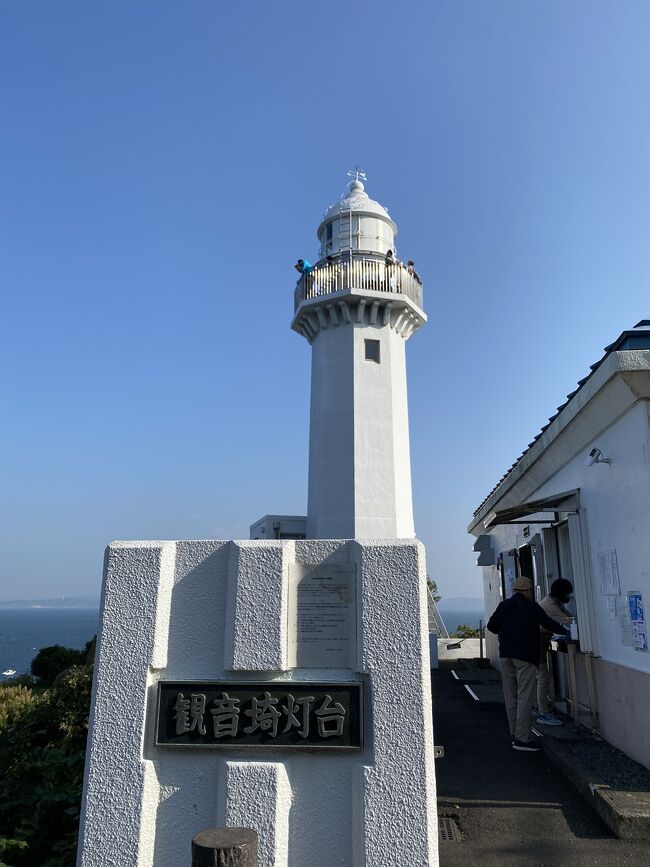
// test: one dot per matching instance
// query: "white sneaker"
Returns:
(526, 746)
(548, 719)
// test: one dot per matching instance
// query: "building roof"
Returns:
(356, 199)
(636, 338)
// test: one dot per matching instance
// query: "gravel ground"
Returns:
(614, 767)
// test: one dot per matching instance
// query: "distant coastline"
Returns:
(464, 603)
(77, 602)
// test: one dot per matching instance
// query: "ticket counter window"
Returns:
(557, 553)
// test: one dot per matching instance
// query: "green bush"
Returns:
(20, 680)
(15, 700)
(51, 661)
(42, 750)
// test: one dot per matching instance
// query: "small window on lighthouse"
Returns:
(372, 350)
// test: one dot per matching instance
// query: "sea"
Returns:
(452, 618)
(24, 631)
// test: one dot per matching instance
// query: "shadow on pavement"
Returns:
(511, 807)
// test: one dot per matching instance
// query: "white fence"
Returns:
(358, 273)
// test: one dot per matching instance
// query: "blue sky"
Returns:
(163, 164)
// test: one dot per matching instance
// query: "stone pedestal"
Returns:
(304, 612)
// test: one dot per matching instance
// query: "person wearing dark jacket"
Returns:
(517, 621)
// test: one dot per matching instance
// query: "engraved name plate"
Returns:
(322, 616)
(275, 714)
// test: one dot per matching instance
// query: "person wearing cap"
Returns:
(554, 605)
(517, 621)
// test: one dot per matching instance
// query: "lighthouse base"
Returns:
(282, 686)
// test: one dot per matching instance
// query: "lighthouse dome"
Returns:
(356, 223)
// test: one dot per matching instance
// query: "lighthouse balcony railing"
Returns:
(358, 273)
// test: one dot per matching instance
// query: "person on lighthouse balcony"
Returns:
(410, 267)
(303, 266)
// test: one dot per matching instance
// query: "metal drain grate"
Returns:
(448, 829)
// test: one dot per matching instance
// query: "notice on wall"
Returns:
(639, 628)
(322, 616)
(610, 584)
(611, 606)
(509, 574)
(624, 622)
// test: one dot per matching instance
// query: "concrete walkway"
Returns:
(512, 808)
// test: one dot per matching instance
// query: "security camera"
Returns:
(595, 456)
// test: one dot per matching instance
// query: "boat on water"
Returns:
(9, 671)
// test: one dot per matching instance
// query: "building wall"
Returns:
(615, 507)
(359, 473)
(382, 485)
(330, 509)
(624, 708)
(369, 233)
(266, 527)
(616, 498)
(401, 441)
(218, 610)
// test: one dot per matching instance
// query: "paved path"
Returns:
(512, 808)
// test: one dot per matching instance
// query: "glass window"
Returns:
(564, 558)
(372, 350)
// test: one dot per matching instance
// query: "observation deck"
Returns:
(360, 289)
(357, 272)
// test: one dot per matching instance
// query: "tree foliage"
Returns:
(50, 661)
(42, 750)
(465, 631)
(433, 587)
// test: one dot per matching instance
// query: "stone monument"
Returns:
(283, 685)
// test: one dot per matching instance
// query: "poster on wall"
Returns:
(624, 622)
(509, 574)
(639, 629)
(610, 584)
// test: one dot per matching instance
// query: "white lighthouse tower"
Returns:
(300, 650)
(357, 309)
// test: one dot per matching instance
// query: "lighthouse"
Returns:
(357, 308)
(281, 684)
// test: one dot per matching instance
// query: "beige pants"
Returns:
(543, 675)
(519, 679)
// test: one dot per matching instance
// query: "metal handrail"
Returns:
(358, 273)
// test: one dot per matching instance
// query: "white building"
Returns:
(576, 505)
(357, 308)
(279, 527)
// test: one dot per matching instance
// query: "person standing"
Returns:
(410, 267)
(390, 272)
(516, 621)
(554, 605)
